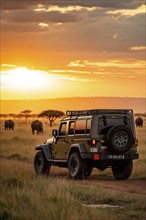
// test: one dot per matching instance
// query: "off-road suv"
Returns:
(101, 138)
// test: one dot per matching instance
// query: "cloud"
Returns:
(23, 16)
(69, 71)
(73, 29)
(76, 63)
(115, 36)
(63, 9)
(108, 63)
(87, 70)
(21, 4)
(43, 25)
(16, 4)
(138, 48)
(8, 65)
(129, 12)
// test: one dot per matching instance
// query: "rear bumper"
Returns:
(102, 156)
(119, 156)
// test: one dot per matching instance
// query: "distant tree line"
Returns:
(18, 116)
(51, 115)
(140, 114)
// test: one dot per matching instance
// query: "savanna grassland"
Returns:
(27, 196)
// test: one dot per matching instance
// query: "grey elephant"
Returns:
(9, 124)
(37, 126)
(139, 122)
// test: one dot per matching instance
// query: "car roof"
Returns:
(74, 118)
(78, 113)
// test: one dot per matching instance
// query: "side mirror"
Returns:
(54, 132)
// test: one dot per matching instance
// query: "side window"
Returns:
(62, 129)
(88, 126)
(80, 127)
(71, 128)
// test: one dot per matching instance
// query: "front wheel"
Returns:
(123, 171)
(41, 165)
(75, 166)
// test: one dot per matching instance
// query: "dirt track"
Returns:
(136, 187)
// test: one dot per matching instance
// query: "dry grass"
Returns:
(140, 164)
(25, 196)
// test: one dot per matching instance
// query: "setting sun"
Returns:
(24, 79)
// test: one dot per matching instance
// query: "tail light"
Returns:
(93, 143)
(96, 157)
(135, 144)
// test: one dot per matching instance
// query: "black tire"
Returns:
(123, 171)
(75, 166)
(88, 171)
(119, 139)
(41, 165)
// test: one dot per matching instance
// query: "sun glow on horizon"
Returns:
(23, 79)
(78, 78)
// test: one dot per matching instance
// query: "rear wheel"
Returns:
(88, 171)
(75, 166)
(123, 171)
(41, 165)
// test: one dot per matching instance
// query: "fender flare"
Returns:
(77, 147)
(46, 149)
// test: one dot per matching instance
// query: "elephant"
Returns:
(37, 126)
(9, 124)
(139, 122)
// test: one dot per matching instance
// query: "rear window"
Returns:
(88, 126)
(83, 126)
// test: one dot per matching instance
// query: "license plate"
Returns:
(93, 150)
(116, 157)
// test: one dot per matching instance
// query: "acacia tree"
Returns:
(19, 116)
(12, 115)
(52, 115)
(26, 113)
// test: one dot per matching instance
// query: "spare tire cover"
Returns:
(119, 139)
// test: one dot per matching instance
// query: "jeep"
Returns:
(87, 139)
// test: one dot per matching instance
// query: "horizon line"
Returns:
(71, 97)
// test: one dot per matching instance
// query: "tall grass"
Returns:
(25, 196)
(20, 142)
(140, 164)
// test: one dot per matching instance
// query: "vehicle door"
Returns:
(61, 143)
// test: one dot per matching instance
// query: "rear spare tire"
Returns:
(119, 139)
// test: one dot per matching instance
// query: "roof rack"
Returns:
(98, 111)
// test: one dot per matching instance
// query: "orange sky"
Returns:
(52, 49)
